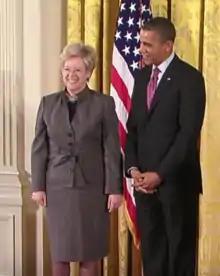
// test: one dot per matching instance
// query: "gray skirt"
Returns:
(77, 224)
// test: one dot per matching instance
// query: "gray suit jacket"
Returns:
(79, 153)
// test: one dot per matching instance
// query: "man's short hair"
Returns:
(163, 26)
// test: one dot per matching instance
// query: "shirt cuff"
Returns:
(129, 170)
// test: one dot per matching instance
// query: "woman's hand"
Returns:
(114, 202)
(39, 198)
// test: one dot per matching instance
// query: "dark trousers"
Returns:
(168, 230)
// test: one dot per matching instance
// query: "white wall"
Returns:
(32, 34)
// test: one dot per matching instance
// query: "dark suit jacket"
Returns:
(85, 151)
(165, 138)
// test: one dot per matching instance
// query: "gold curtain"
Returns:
(198, 42)
(94, 22)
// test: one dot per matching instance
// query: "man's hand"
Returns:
(137, 176)
(150, 181)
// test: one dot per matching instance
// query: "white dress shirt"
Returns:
(163, 66)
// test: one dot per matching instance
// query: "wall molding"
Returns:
(7, 241)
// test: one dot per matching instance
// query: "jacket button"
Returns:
(69, 134)
(70, 144)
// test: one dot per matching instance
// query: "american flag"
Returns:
(126, 62)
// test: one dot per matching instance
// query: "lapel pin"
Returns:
(168, 79)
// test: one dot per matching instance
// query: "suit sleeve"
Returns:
(191, 114)
(131, 139)
(112, 152)
(39, 152)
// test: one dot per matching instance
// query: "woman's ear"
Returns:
(88, 76)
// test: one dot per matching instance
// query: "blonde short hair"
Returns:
(86, 52)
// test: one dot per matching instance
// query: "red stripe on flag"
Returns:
(121, 89)
(131, 209)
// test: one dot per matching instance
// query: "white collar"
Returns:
(163, 66)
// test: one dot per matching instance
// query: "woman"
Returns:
(76, 165)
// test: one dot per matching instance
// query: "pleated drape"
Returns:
(198, 42)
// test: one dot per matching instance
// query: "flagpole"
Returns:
(169, 8)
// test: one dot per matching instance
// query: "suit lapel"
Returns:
(141, 92)
(60, 119)
(63, 113)
(164, 84)
(80, 121)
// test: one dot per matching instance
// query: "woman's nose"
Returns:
(72, 73)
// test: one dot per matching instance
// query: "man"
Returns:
(162, 153)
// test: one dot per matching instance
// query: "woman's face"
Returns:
(75, 74)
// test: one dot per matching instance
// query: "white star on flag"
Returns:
(132, 7)
(139, 23)
(126, 50)
(123, 7)
(143, 8)
(134, 65)
(136, 51)
(120, 21)
(149, 11)
(118, 35)
(128, 36)
(130, 21)
(137, 37)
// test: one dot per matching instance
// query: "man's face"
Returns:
(152, 48)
